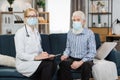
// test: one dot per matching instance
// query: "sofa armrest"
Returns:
(115, 57)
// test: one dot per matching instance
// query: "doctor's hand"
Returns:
(63, 57)
(51, 56)
(43, 55)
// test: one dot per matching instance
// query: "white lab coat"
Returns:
(26, 49)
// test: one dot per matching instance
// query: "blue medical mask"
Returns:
(77, 25)
(32, 21)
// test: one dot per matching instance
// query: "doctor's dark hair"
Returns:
(28, 10)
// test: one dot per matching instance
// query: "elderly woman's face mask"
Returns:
(77, 25)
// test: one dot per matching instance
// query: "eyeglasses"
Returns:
(32, 16)
(76, 19)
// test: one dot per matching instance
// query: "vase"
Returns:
(103, 10)
(40, 9)
(10, 9)
(99, 25)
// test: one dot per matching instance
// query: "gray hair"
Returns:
(79, 14)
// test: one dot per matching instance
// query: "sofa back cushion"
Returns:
(7, 46)
(97, 40)
(45, 43)
(53, 43)
(58, 42)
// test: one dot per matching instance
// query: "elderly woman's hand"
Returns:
(63, 57)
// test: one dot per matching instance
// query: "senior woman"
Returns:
(31, 60)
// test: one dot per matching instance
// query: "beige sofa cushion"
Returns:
(7, 60)
(105, 49)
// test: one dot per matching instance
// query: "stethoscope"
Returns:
(26, 31)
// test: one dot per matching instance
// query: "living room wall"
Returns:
(18, 5)
(61, 11)
(116, 11)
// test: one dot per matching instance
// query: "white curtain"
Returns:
(59, 15)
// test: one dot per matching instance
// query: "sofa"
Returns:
(53, 44)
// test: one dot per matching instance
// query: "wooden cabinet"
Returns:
(103, 32)
(43, 25)
(10, 22)
(111, 38)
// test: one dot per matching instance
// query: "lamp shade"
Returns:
(118, 21)
(116, 27)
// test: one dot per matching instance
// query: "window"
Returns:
(59, 15)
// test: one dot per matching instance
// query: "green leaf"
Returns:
(41, 3)
(10, 1)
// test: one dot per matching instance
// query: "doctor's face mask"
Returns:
(31, 18)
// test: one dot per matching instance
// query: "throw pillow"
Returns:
(105, 49)
(7, 60)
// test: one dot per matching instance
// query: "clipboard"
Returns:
(53, 56)
(50, 56)
(58, 55)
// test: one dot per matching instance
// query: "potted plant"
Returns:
(41, 5)
(10, 2)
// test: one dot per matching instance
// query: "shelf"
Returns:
(43, 23)
(18, 22)
(44, 12)
(10, 12)
(98, 27)
(113, 36)
(106, 13)
(98, 0)
(100, 14)
(10, 22)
